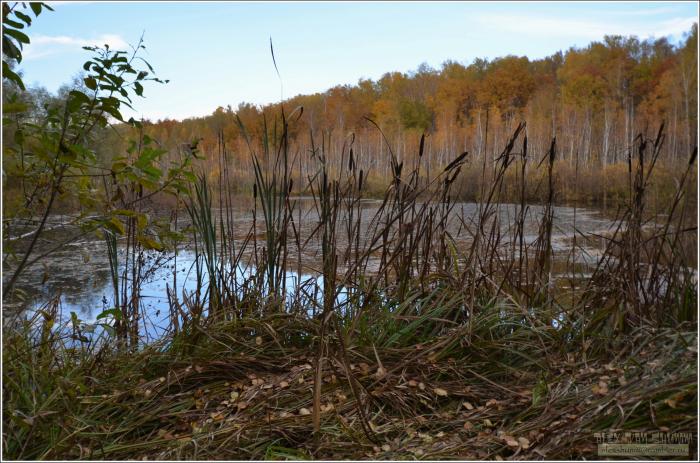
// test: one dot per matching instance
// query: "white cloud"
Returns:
(676, 27)
(46, 45)
(539, 26)
(646, 11)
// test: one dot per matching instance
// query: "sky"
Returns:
(218, 53)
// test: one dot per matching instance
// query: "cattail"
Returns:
(459, 159)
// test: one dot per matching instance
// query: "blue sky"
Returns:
(218, 53)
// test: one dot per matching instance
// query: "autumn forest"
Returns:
(594, 100)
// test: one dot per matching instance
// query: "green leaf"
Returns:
(115, 225)
(149, 243)
(125, 212)
(20, 37)
(26, 18)
(133, 122)
(90, 83)
(76, 99)
(108, 328)
(14, 24)
(114, 112)
(153, 172)
(148, 156)
(113, 312)
(142, 221)
(11, 50)
(118, 166)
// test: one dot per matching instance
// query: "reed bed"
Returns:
(412, 347)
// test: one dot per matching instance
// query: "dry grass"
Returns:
(244, 391)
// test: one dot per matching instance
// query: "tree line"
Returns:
(594, 100)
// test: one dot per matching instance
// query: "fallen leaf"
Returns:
(468, 426)
(468, 406)
(510, 442)
(304, 412)
(524, 442)
(217, 416)
(440, 392)
(258, 341)
(421, 386)
(386, 447)
(413, 383)
(234, 395)
(284, 384)
(601, 388)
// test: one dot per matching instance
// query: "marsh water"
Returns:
(78, 274)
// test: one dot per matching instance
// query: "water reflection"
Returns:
(80, 273)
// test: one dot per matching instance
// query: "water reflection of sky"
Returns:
(80, 271)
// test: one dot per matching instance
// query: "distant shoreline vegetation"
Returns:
(595, 100)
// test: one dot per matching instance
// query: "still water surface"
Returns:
(79, 272)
